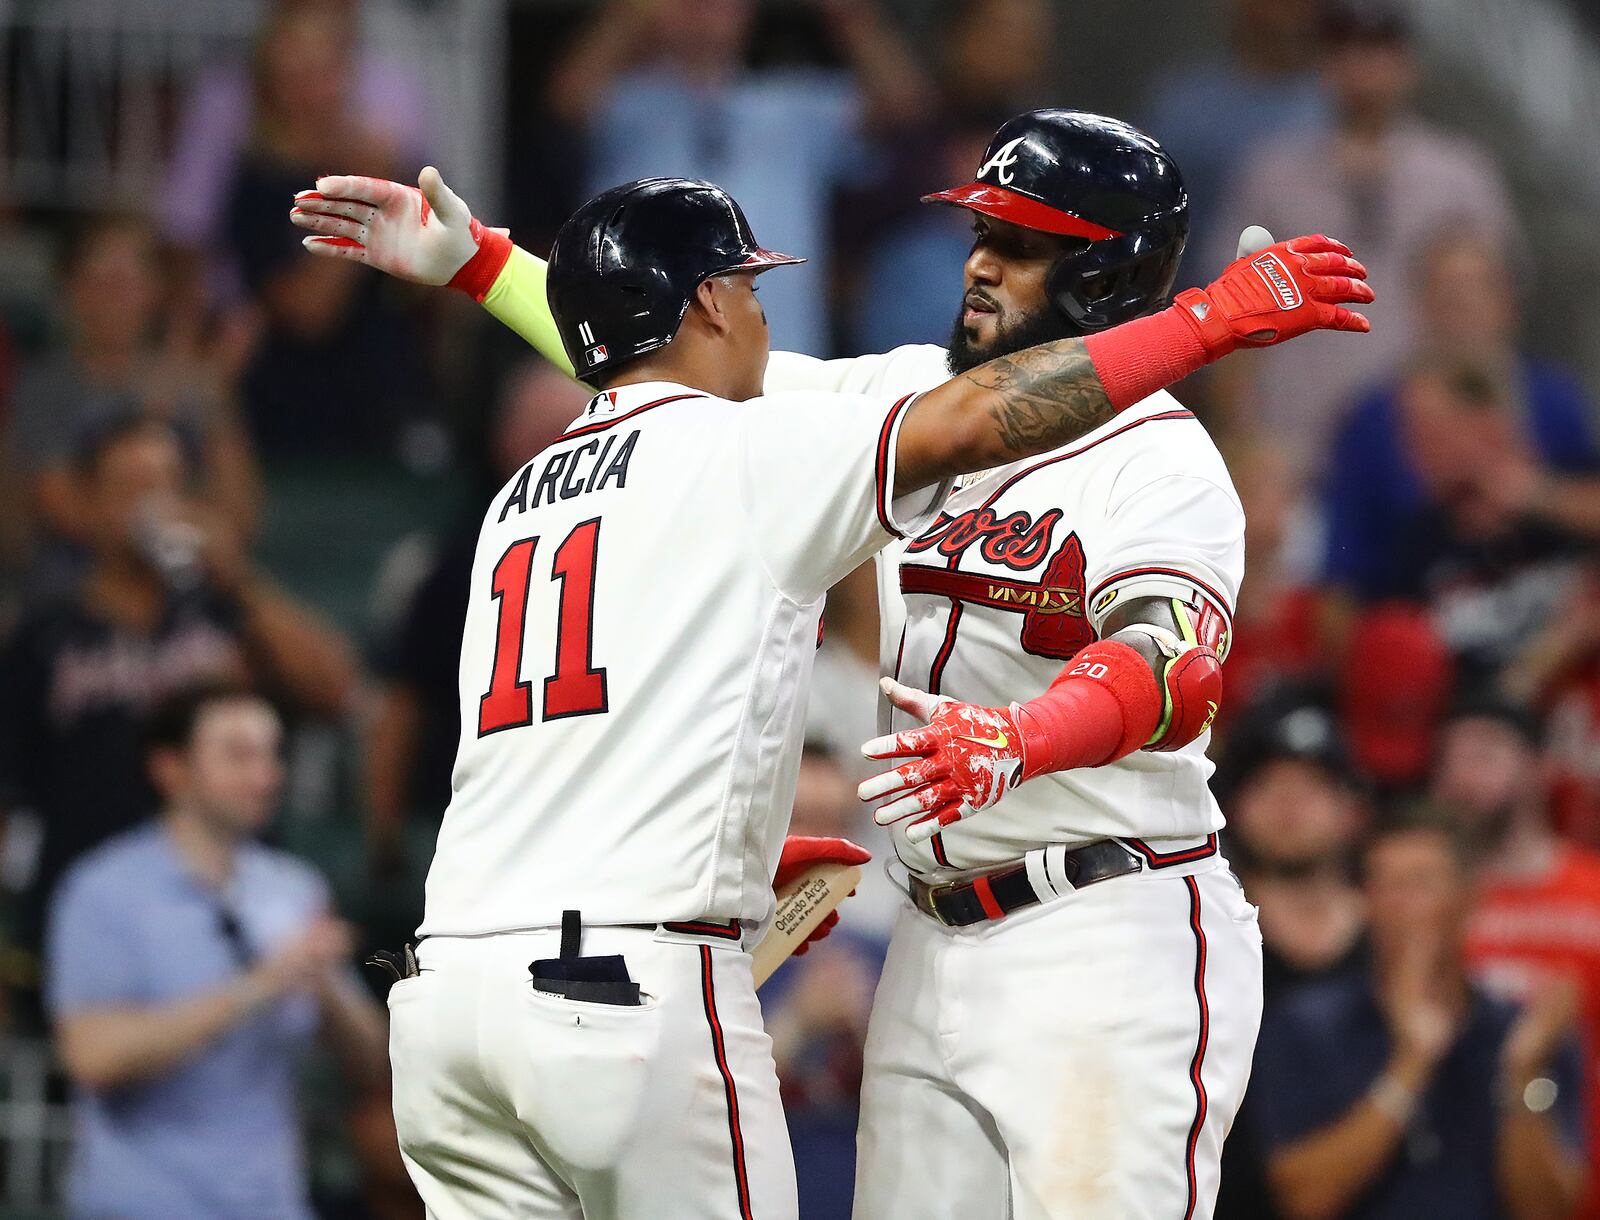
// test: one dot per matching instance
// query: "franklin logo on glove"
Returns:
(1278, 279)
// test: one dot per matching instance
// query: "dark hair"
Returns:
(81, 237)
(173, 720)
(1423, 816)
(1486, 703)
(1368, 21)
(101, 438)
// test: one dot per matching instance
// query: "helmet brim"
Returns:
(762, 259)
(1021, 210)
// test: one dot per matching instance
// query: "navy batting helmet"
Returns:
(626, 265)
(1097, 179)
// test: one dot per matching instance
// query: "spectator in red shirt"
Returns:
(1536, 924)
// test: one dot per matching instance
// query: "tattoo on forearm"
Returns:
(1048, 396)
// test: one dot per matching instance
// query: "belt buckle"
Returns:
(934, 893)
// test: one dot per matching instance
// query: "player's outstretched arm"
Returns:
(1148, 686)
(1047, 396)
(426, 234)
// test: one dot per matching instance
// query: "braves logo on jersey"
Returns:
(1051, 605)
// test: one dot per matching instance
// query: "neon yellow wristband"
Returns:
(517, 299)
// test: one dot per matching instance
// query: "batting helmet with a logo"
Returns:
(1101, 181)
(626, 265)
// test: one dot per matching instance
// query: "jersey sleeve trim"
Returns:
(883, 470)
(1151, 582)
(926, 501)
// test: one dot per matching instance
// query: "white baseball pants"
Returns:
(511, 1102)
(1078, 1060)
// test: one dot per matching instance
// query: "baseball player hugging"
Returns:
(1066, 1018)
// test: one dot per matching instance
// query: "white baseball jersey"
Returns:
(637, 655)
(1021, 569)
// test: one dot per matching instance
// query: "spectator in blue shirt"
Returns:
(1470, 322)
(660, 87)
(188, 968)
(1406, 1092)
(1472, 483)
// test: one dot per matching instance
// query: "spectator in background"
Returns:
(215, 120)
(1536, 923)
(411, 740)
(1473, 521)
(1561, 671)
(660, 87)
(188, 969)
(340, 367)
(167, 599)
(1407, 1091)
(115, 362)
(1375, 176)
(895, 253)
(976, 81)
(1294, 814)
(903, 290)
(1267, 86)
(816, 1009)
(1388, 452)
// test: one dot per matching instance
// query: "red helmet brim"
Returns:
(1020, 210)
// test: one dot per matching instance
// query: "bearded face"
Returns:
(1005, 306)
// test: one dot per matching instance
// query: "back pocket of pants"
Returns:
(586, 1071)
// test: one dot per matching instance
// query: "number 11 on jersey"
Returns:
(576, 688)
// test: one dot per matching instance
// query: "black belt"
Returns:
(995, 895)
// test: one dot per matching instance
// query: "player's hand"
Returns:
(964, 760)
(800, 852)
(1277, 293)
(426, 235)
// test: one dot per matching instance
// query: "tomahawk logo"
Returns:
(1002, 162)
(1271, 269)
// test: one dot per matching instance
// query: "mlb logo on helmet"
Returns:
(1271, 269)
(595, 354)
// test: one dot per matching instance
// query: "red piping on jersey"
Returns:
(935, 678)
(982, 590)
(1197, 1064)
(881, 468)
(1217, 598)
(708, 993)
(1061, 457)
(1188, 855)
(701, 927)
(612, 423)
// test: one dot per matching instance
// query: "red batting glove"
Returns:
(800, 852)
(1270, 293)
(964, 760)
(1290, 288)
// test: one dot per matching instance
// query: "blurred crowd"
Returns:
(1409, 756)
